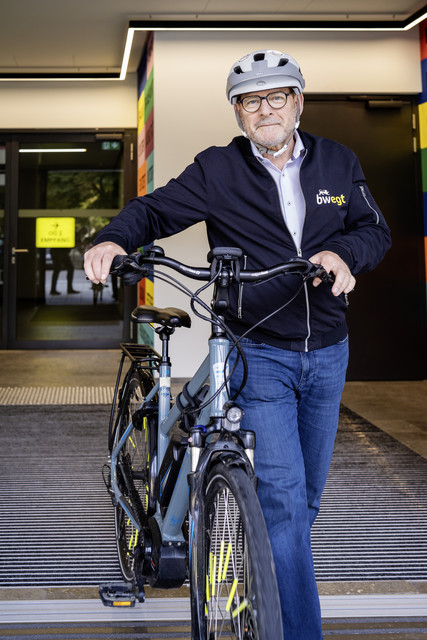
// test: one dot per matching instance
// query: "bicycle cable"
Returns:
(218, 321)
(244, 335)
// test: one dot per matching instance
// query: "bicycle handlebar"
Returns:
(136, 266)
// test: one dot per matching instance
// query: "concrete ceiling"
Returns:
(88, 36)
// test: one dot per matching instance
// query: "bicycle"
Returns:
(181, 473)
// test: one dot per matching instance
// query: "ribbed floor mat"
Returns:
(372, 523)
(57, 519)
(23, 396)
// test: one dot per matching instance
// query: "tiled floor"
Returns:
(397, 407)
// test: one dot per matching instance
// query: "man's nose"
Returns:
(265, 107)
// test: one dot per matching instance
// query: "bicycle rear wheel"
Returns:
(237, 587)
(133, 473)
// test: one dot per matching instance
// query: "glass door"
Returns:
(67, 190)
(2, 239)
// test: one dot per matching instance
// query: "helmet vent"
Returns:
(259, 56)
(237, 70)
(282, 62)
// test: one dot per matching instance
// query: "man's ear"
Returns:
(301, 102)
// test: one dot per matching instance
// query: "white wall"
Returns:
(68, 104)
(192, 113)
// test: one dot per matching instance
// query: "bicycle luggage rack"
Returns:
(140, 354)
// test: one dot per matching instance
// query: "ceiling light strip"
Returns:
(46, 150)
(221, 25)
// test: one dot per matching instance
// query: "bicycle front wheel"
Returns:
(134, 474)
(239, 597)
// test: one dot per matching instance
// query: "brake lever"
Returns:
(128, 268)
(320, 272)
(116, 265)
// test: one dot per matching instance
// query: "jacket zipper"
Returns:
(299, 253)
(307, 304)
(362, 189)
(240, 300)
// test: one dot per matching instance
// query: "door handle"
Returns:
(14, 250)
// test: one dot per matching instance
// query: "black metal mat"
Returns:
(57, 519)
(372, 523)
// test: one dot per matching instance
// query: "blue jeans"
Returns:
(291, 401)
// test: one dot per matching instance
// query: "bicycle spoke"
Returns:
(228, 588)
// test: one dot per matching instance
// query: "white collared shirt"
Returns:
(288, 185)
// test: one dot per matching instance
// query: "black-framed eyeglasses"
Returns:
(276, 100)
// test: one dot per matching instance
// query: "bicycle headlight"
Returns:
(233, 416)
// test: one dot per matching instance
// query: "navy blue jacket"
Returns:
(234, 194)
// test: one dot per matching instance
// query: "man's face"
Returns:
(270, 127)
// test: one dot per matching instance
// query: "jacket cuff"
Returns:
(341, 252)
(111, 237)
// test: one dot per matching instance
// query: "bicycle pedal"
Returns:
(120, 595)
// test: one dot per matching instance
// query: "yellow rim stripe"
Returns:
(240, 608)
(227, 560)
(231, 596)
(207, 588)
(213, 575)
(221, 560)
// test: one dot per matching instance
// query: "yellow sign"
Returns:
(55, 232)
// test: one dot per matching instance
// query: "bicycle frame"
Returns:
(170, 526)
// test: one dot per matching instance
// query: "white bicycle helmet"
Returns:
(264, 69)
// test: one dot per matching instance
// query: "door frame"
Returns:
(12, 141)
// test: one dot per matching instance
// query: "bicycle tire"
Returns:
(134, 476)
(239, 596)
(115, 411)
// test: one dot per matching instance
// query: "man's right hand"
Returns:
(98, 259)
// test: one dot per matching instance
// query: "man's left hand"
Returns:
(332, 263)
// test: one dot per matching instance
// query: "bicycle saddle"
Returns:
(169, 317)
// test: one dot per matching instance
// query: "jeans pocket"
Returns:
(253, 344)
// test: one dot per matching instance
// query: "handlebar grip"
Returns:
(116, 264)
(129, 269)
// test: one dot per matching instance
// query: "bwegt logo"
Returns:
(324, 197)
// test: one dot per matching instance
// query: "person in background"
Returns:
(61, 260)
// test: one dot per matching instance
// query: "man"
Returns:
(276, 192)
